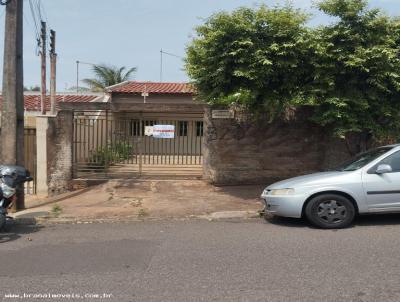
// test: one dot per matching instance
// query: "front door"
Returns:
(383, 190)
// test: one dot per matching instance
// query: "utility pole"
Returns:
(77, 77)
(43, 69)
(12, 113)
(53, 62)
(77, 73)
(161, 64)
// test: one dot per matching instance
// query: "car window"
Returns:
(362, 159)
(393, 160)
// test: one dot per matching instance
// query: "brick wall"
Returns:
(241, 151)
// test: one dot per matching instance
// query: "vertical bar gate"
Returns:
(108, 145)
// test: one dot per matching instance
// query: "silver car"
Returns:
(368, 183)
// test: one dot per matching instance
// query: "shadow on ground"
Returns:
(244, 192)
(361, 221)
(14, 232)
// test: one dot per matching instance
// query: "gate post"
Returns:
(109, 144)
(140, 142)
(41, 155)
(54, 153)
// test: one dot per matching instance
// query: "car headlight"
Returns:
(281, 192)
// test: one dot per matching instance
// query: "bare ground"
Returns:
(154, 199)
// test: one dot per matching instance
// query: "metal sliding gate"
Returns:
(114, 145)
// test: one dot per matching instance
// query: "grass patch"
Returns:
(56, 210)
(142, 213)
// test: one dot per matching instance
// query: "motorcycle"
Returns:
(10, 178)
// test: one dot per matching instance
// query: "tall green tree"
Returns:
(257, 57)
(356, 90)
(106, 76)
(268, 59)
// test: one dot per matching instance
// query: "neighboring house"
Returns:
(32, 103)
(133, 106)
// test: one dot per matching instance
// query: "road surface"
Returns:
(285, 260)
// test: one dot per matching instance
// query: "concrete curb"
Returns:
(226, 215)
(216, 216)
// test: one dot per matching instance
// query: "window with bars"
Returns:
(199, 128)
(183, 128)
(134, 128)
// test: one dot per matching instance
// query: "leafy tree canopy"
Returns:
(32, 88)
(357, 75)
(253, 56)
(268, 59)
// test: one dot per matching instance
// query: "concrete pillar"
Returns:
(42, 125)
(54, 136)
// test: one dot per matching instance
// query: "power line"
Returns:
(162, 52)
(38, 12)
(29, 23)
(41, 11)
(35, 21)
(171, 54)
(38, 8)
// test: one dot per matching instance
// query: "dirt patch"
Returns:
(159, 199)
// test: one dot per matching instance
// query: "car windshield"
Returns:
(362, 159)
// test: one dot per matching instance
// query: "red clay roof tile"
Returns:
(32, 101)
(153, 87)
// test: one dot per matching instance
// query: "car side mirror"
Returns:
(382, 169)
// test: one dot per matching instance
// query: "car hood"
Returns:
(321, 178)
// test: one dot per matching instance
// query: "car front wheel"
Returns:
(330, 211)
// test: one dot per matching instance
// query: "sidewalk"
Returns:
(119, 200)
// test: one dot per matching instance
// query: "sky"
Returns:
(130, 33)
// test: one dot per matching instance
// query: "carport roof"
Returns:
(152, 87)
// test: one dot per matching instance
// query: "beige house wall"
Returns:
(153, 99)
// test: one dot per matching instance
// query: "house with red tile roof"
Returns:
(127, 95)
(173, 104)
(32, 103)
(134, 110)
(157, 88)
(32, 100)
(133, 92)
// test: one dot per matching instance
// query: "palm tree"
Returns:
(106, 75)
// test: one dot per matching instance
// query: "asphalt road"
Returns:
(285, 260)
